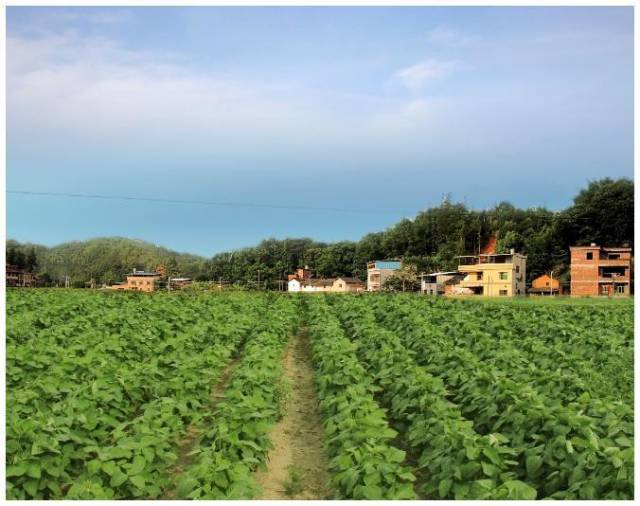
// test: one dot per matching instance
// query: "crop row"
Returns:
(455, 461)
(236, 443)
(575, 349)
(102, 421)
(581, 449)
(364, 462)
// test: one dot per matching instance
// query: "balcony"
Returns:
(613, 279)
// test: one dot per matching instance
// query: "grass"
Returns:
(293, 484)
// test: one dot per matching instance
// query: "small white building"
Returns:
(294, 285)
(341, 284)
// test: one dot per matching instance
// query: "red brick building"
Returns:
(597, 270)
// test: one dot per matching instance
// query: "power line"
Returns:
(555, 215)
(201, 202)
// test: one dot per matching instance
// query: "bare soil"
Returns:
(297, 466)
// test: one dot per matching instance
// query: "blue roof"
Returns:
(387, 264)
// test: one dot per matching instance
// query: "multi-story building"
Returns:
(492, 274)
(378, 271)
(597, 270)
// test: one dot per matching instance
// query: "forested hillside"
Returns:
(105, 259)
(601, 213)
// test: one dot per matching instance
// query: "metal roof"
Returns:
(386, 264)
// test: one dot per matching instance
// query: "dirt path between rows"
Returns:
(297, 466)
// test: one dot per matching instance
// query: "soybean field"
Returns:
(264, 395)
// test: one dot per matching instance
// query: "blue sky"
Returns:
(382, 110)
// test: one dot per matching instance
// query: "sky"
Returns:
(344, 120)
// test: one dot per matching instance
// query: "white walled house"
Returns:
(294, 285)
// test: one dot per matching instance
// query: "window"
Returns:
(604, 289)
(589, 255)
(503, 293)
(479, 276)
(546, 284)
(504, 276)
(620, 289)
(614, 256)
(517, 268)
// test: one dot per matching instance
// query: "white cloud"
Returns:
(83, 90)
(418, 75)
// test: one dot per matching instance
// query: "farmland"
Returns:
(125, 396)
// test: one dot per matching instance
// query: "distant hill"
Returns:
(601, 213)
(106, 259)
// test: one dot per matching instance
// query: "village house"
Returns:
(434, 283)
(140, 281)
(20, 277)
(597, 270)
(301, 273)
(341, 284)
(545, 285)
(179, 283)
(491, 275)
(378, 271)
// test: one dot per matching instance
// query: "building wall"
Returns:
(316, 288)
(376, 286)
(293, 285)
(340, 285)
(585, 272)
(545, 281)
(429, 288)
(141, 283)
(492, 285)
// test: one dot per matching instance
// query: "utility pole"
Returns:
(169, 284)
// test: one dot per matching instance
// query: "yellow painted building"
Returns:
(492, 275)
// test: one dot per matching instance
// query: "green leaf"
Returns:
(118, 478)
(185, 486)
(520, 490)
(533, 464)
(34, 470)
(444, 487)
(110, 468)
(138, 481)
(137, 466)
(93, 466)
(16, 470)
(492, 455)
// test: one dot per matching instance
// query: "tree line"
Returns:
(601, 213)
